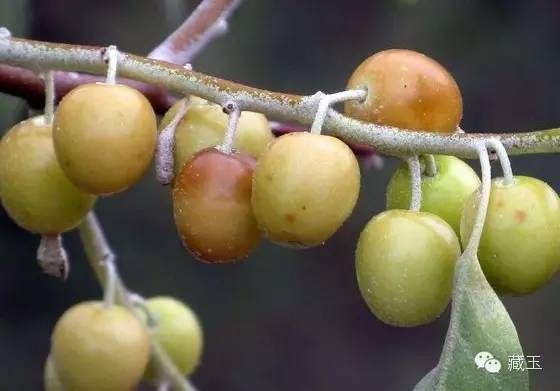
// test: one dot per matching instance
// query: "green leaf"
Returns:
(479, 323)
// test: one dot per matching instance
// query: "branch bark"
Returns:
(206, 22)
(43, 56)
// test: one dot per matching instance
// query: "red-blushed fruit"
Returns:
(34, 191)
(179, 333)
(408, 90)
(95, 348)
(305, 186)
(212, 206)
(104, 137)
(405, 263)
(519, 250)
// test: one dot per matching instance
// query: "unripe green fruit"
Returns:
(104, 136)
(179, 333)
(204, 125)
(406, 89)
(34, 190)
(443, 194)
(50, 376)
(95, 348)
(304, 187)
(404, 264)
(519, 250)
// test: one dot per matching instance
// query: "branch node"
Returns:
(52, 256)
(326, 101)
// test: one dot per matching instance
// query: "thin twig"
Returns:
(50, 97)
(430, 166)
(327, 100)
(98, 253)
(233, 112)
(205, 23)
(497, 146)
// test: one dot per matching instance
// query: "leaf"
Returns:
(479, 323)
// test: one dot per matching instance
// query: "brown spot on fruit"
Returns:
(290, 217)
(520, 216)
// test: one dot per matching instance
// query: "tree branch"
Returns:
(27, 85)
(207, 22)
(43, 56)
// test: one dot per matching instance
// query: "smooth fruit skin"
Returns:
(404, 264)
(99, 349)
(204, 126)
(305, 186)
(178, 331)
(34, 190)
(50, 377)
(212, 206)
(444, 194)
(408, 90)
(519, 249)
(104, 137)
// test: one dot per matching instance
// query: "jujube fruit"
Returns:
(444, 194)
(104, 136)
(212, 206)
(51, 381)
(406, 89)
(179, 333)
(95, 348)
(405, 263)
(204, 126)
(34, 191)
(305, 186)
(519, 250)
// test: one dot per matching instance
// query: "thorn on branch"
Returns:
(52, 256)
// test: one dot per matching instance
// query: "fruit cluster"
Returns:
(296, 190)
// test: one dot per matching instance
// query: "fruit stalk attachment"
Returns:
(50, 96)
(232, 110)
(164, 160)
(110, 56)
(415, 183)
(497, 146)
(430, 166)
(327, 100)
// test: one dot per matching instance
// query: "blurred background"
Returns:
(288, 319)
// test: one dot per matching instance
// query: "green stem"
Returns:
(42, 56)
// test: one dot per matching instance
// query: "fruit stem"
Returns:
(98, 251)
(483, 199)
(430, 165)
(110, 56)
(415, 183)
(110, 281)
(52, 256)
(327, 100)
(232, 109)
(164, 159)
(50, 96)
(504, 160)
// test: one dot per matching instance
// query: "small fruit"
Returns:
(99, 349)
(404, 264)
(519, 250)
(212, 206)
(179, 333)
(408, 90)
(443, 194)
(204, 126)
(305, 186)
(50, 377)
(34, 190)
(104, 136)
